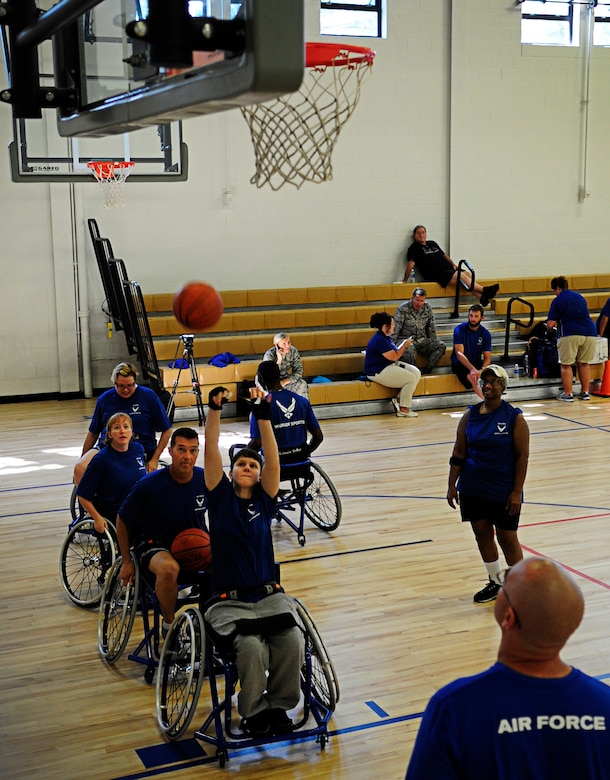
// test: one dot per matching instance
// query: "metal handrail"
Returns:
(506, 357)
(459, 283)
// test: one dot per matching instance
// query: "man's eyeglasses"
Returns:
(130, 386)
(502, 577)
(489, 381)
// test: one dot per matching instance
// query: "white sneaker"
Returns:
(406, 414)
(567, 397)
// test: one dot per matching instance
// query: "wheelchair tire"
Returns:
(117, 612)
(324, 681)
(76, 510)
(180, 673)
(322, 502)
(84, 561)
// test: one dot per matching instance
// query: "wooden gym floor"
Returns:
(390, 590)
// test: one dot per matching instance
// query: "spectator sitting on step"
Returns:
(289, 361)
(383, 364)
(414, 319)
(435, 265)
(471, 349)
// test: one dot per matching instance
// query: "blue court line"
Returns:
(162, 770)
(37, 487)
(37, 512)
(377, 709)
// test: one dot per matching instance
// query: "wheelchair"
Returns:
(189, 654)
(117, 611)
(84, 560)
(310, 494)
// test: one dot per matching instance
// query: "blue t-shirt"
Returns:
(489, 470)
(292, 418)
(110, 476)
(605, 312)
(240, 535)
(475, 343)
(374, 361)
(569, 310)
(158, 508)
(146, 412)
(502, 725)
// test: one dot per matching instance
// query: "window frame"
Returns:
(542, 17)
(373, 6)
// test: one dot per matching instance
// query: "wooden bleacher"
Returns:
(329, 327)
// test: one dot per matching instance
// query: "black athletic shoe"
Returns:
(484, 300)
(280, 722)
(489, 593)
(490, 291)
(257, 725)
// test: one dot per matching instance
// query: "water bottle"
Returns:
(516, 371)
(412, 276)
(526, 365)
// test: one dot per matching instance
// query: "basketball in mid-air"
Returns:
(197, 306)
(191, 548)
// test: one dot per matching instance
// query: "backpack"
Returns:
(541, 354)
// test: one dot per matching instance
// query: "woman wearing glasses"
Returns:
(487, 471)
(145, 410)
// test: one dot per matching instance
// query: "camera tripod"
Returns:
(188, 356)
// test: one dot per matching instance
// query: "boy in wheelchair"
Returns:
(292, 417)
(249, 608)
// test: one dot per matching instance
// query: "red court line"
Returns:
(564, 520)
(577, 572)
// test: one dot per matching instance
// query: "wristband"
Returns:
(455, 461)
(212, 403)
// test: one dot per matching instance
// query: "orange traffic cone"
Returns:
(605, 388)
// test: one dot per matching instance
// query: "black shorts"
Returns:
(145, 551)
(473, 509)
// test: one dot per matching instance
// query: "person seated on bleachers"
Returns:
(435, 265)
(471, 349)
(288, 359)
(415, 319)
(383, 364)
(291, 417)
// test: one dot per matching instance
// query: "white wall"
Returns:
(459, 127)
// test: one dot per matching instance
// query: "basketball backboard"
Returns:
(123, 83)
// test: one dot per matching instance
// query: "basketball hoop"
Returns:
(111, 178)
(294, 135)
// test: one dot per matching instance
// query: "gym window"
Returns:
(358, 18)
(549, 22)
(601, 30)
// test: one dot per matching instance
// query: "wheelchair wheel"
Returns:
(76, 510)
(180, 673)
(324, 682)
(117, 612)
(84, 561)
(322, 502)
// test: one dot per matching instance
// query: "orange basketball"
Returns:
(191, 548)
(197, 306)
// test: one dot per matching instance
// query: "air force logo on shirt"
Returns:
(140, 462)
(501, 429)
(135, 408)
(252, 513)
(288, 410)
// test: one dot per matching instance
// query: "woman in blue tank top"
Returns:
(486, 476)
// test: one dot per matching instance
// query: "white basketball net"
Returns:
(111, 178)
(294, 135)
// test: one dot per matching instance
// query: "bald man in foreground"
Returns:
(530, 716)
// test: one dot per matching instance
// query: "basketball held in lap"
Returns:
(191, 548)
